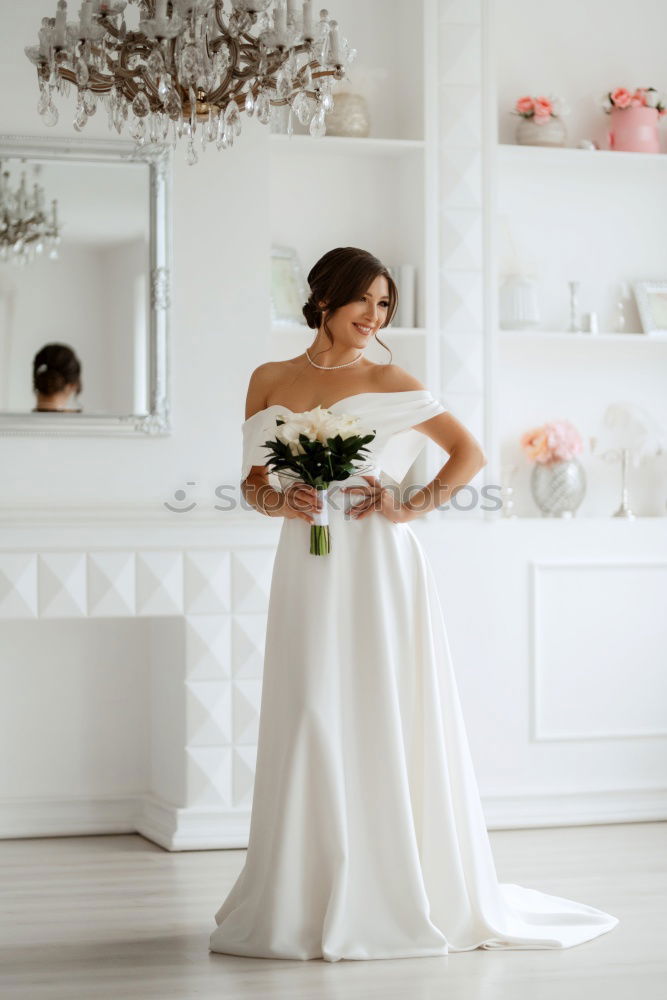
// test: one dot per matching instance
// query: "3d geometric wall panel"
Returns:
(61, 584)
(248, 636)
(209, 776)
(461, 217)
(207, 582)
(460, 117)
(461, 239)
(246, 699)
(460, 52)
(463, 362)
(209, 713)
(18, 585)
(208, 647)
(461, 176)
(111, 584)
(243, 781)
(462, 302)
(160, 583)
(209, 700)
(251, 579)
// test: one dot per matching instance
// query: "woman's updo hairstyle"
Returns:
(341, 276)
(54, 367)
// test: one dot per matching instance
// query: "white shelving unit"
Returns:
(648, 341)
(605, 159)
(370, 192)
(593, 216)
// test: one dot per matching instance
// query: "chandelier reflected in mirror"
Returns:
(26, 230)
(190, 68)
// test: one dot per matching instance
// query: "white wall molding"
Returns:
(536, 809)
(175, 828)
(540, 731)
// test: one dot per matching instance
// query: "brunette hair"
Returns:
(339, 277)
(54, 367)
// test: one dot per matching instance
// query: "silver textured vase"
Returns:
(558, 488)
(349, 116)
(551, 133)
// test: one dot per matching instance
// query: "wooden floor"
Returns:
(95, 918)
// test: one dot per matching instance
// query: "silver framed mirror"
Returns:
(85, 300)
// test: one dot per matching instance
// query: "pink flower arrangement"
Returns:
(642, 97)
(540, 109)
(556, 441)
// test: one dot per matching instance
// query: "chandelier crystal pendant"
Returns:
(25, 229)
(190, 68)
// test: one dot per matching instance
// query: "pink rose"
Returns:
(524, 105)
(555, 441)
(639, 98)
(543, 107)
(621, 97)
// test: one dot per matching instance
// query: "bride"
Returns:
(367, 837)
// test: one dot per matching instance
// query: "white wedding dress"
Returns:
(367, 836)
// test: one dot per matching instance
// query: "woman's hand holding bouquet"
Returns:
(315, 448)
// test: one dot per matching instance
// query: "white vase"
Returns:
(519, 305)
(350, 116)
(551, 133)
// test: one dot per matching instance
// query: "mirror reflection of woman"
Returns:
(56, 379)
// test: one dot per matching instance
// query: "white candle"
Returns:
(61, 22)
(161, 10)
(291, 9)
(85, 17)
(335, 43)
(281, 17)
(308, 19)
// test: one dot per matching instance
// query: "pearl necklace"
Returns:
(330, 367)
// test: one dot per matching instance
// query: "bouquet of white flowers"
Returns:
(318, 447)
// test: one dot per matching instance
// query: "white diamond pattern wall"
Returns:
(248, 635)
(251, 579)
(159, 583)
(460, 191)
(209, 713)
(207, 582)
(246, 703)
(61, 584)
(111, 584)
(245, 759)
(18, 585)
(208, 647)
(209, 777)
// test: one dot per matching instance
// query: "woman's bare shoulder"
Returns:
(393, 378)
(263, 379)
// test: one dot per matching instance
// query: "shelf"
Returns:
(499, 519)
(344, 144)
(280, 329)
(605, 338)
(560, 155)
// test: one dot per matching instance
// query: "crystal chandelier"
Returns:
(191, 68)
(25, 230)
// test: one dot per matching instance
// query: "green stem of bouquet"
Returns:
(320, 541)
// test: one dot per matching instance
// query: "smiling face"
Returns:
(355, 323)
